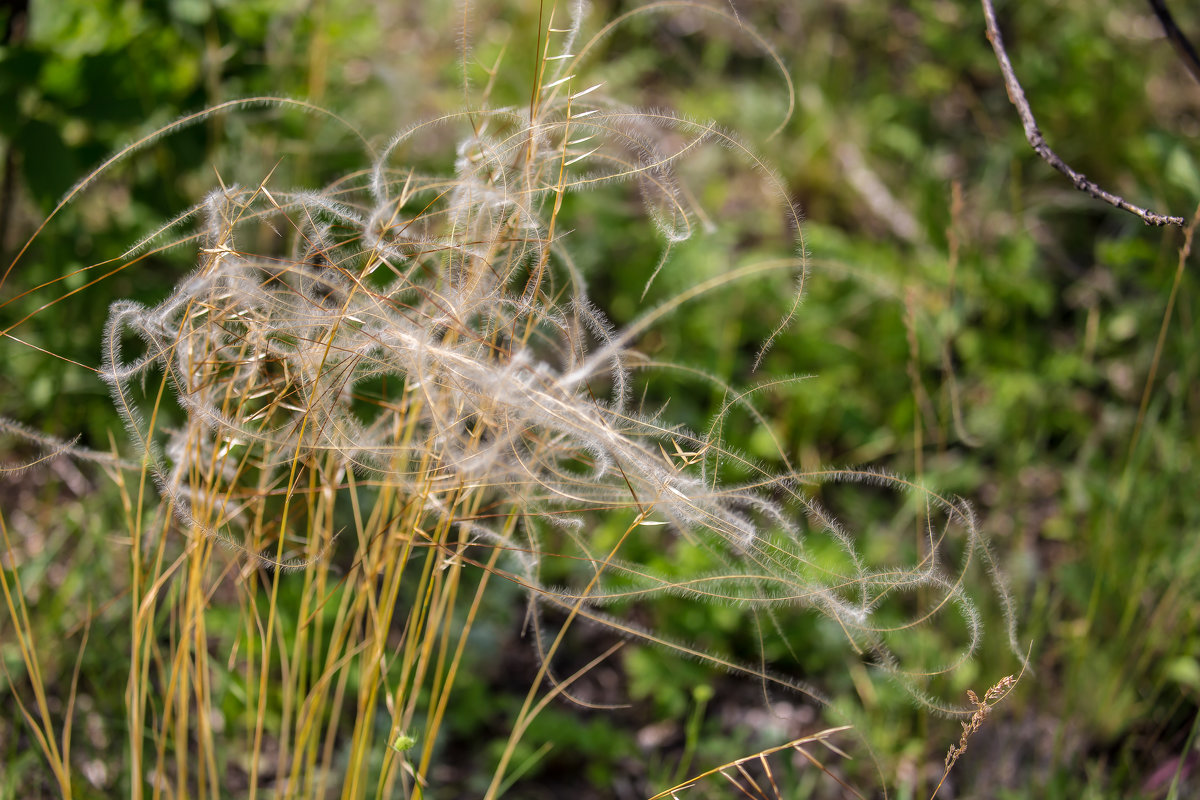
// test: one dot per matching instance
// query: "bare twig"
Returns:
(1017, 95)
(1182, 45)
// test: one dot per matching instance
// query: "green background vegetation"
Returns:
(993, 335)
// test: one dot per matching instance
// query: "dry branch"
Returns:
(1017, 96)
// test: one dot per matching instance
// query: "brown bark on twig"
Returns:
(1017, 96)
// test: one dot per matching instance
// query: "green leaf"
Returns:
(1184, 671)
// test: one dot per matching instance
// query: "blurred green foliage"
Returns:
(1028, 314)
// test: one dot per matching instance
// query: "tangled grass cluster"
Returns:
(412, 361)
